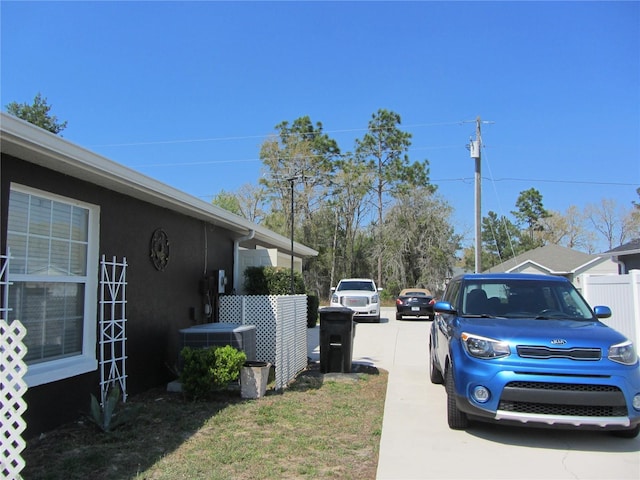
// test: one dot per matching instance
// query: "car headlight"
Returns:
(334, 298)
(482, 347)
(375, 299)
(623, 353)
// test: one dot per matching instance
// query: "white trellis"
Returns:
(12, 389)
(12, 384)
(113, 319)
(4, 285)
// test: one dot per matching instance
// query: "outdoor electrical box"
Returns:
(222, 281)
(474, 148)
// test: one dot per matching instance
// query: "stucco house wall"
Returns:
(159, 302)
(126, 208)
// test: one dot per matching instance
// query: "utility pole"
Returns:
(475, 148)
(292, 179)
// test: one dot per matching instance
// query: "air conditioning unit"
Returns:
(242, 337)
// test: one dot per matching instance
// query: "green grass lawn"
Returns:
(316, 428)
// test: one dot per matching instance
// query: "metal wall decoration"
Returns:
(160, 249)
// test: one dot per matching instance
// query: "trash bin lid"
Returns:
(335, 310)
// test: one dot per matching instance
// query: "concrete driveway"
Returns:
(417, 443)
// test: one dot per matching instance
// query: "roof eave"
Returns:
(30, 143)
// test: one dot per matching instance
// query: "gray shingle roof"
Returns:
(555, 258)
(630, 247)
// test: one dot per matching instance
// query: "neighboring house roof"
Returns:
(33, 144)
(555, 259)
(628, 248)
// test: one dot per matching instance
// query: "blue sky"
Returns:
(186, 92)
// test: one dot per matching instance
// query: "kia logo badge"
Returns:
(558, 341)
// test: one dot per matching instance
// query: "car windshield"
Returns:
(356, 285)
(523, 298)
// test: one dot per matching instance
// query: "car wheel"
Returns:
(457, 420)
(434, 374)
(398, 316)
(628, 433)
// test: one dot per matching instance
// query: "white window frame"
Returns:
(59, 369)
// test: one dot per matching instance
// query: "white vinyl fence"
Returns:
(622, 294)
(281, 329)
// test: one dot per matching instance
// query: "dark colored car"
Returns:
(528, 350)
(414, 302)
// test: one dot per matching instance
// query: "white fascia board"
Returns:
(531, 262)
(33, 144)
(590, 263)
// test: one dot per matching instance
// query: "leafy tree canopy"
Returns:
(38, 114)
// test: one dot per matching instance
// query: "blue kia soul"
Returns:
(528, 350)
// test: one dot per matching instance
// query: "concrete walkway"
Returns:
(417, 443)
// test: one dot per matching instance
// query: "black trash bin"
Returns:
(337, 330)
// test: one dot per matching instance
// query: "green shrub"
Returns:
(228, 362)
(272, 281)
(208, 368)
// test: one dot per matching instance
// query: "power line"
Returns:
(193, 164)
(580, 182)
(248, 137)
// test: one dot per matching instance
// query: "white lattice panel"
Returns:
(281, 335)
(258, 310)
(12, 389)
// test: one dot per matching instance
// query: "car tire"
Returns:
(627, 433)
(457, 420)
(435, 375)
(398, 316)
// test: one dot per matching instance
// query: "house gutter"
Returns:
(236, 257)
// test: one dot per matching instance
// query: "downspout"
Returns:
(236, 257)
(622, 268)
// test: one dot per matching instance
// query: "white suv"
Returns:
(358, 294)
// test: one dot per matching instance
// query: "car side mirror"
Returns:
(443, 307)
(602, 311)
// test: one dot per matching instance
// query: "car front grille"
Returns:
(542, 352)
(568, 399)
(568, 410)
(355, 301)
